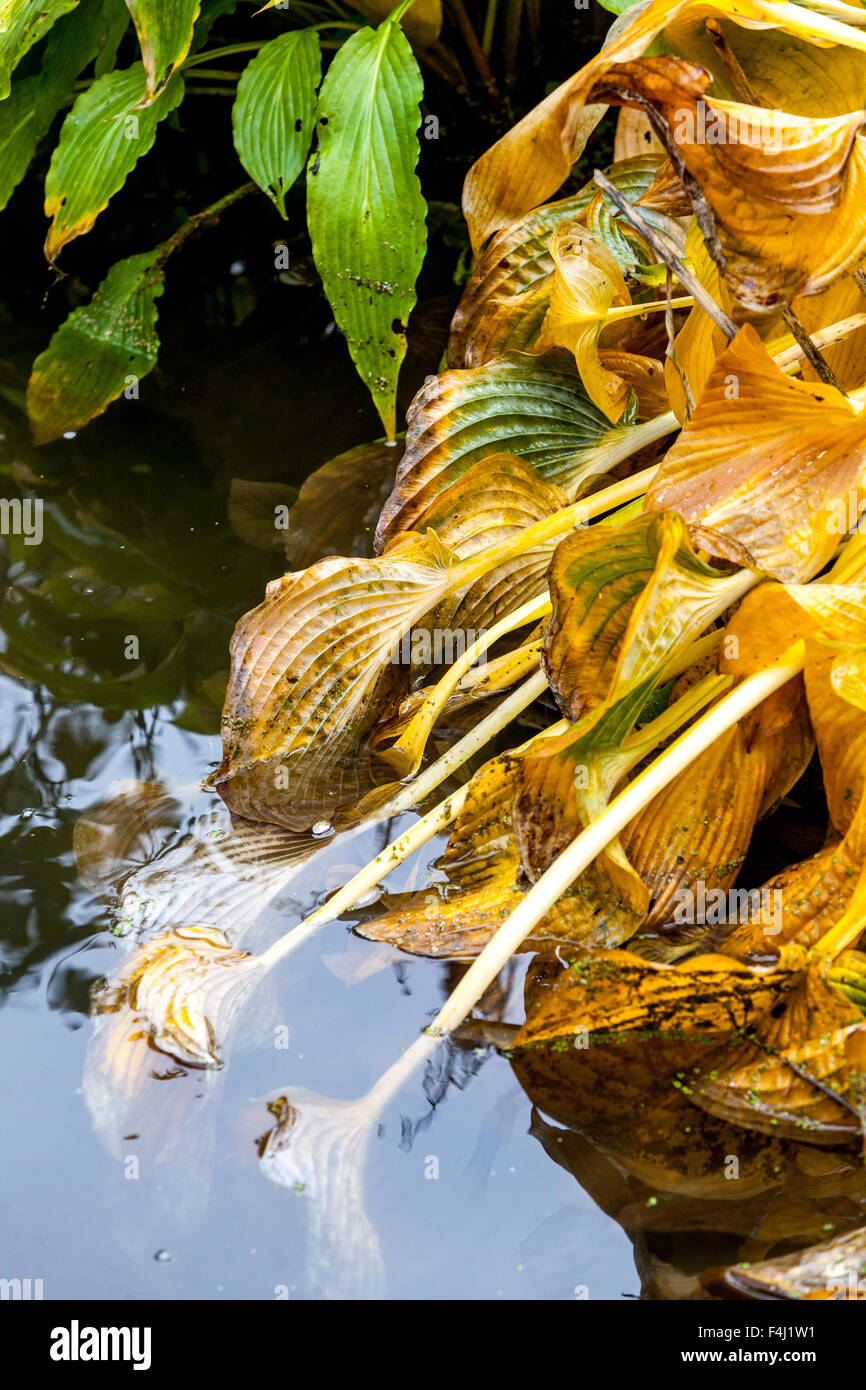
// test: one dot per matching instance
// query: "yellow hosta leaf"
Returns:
(313, 669)
(587, 283)
(767, 462)
(779, 197)
(625, 601)
(621, 993)
(533, 160)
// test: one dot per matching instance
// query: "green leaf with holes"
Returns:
(365, 208)
(275, 110)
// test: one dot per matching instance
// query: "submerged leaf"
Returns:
(167, 981)
(338, 505)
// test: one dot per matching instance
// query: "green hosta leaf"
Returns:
(28, 111)
(93, 354)
(23, 23)
(275, 109)
(118, 23)
(366, 212)
(534, 407)
(101, 142)
(19, 134)
(165, 34)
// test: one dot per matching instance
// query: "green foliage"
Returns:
(366, 212)
(101, 141)
(22, 24)
(165, 34)
(108, 72)
(99, 351)
(275, 110)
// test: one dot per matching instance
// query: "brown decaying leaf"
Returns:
(767, 462)
(528, 164)
(313, 669)
(617, 991)
(778, 197)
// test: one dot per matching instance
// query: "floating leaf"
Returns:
(313, 669)
(101, 141)
(274, 111)
(617, 992)
(364, 204)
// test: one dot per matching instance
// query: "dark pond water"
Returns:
(138, 541)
